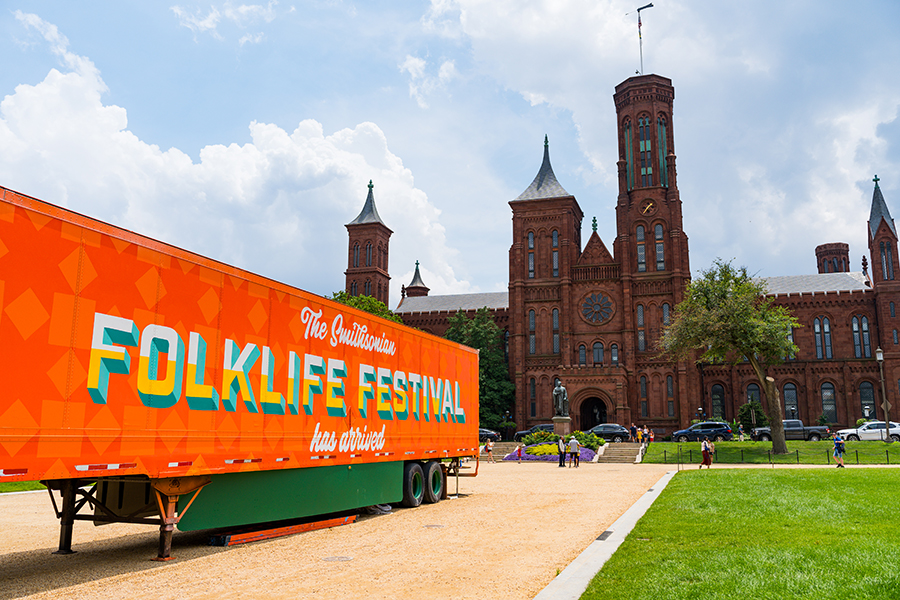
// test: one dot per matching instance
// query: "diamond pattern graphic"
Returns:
(209, 305)
(27, 313)
(257, 316)
(3, 249)
(69, 267)
(172, 431)
(147, 287)
(23, 426)
(105, 429)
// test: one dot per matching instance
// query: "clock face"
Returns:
(648, 207)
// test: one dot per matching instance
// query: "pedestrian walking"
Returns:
(561, 446)
(489, 448)
(633, 433)
(707, 455)
(639, 434)
(519, 453)
(645, 435)
(741, 432)
(652, 436)
(839, 449)
(574, 452)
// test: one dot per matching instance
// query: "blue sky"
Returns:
(248, 132)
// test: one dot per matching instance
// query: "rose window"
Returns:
(596, 308)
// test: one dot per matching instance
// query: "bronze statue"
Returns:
(560, 400)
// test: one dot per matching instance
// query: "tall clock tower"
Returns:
(651, 246)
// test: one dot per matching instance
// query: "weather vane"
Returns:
(641, 39)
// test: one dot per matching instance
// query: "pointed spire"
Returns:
(369, 213)
(879, 211)
(545, 184)
(594, 224)
(417, 287)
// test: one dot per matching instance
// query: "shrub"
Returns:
(747, 413)
(543, 450)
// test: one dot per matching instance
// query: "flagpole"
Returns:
(640, 37)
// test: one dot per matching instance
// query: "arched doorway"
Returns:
(593, 412)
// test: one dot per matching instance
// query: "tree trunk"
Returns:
(773, 407)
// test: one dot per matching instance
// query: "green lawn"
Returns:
(20, 486)
(809, 453)
(762, 534)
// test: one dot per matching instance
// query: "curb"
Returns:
(573, 581)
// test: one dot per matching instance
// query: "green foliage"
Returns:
(860, 422)
(366, 303)
(806, 453)
(822, 420)
(587, 440)
(726, 317)
(496, 391)
(746, 418)
(761, 533)
(21, 486)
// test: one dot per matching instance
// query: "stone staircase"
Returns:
(620, 453)
(501, 449)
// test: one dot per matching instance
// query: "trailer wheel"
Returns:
(434, 482)
(413, 485)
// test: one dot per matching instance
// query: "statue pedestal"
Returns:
(562, 426)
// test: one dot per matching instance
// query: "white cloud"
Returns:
(252, 39)
(242, 16)
(197, 22)
(276, 205)
(420, 83)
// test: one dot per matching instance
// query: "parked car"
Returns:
(611, 432)
(793, 430)
(488, 434)
(708, 429)
(542, 427)
(873, 430)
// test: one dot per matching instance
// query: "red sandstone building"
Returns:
(592, 318)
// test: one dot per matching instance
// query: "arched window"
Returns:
(356, 254)
(555, 253)
(661, 141)
(666, 315)
(598, 353)
(834, 261)
(582, 355)
(752, 393)
(644, 396)
(717, 399)
(354, 289)
(822, 334)
(829, 403)
(368, 288)
(893, 312)
(533, 387)
(641, 255)
(368, 254)
(629, 160)
(555, 331)
(670, 395)
(530, 255)
(887, 261)
(861, 346)
(532, 341)
(614, 355)
(791, 409)
(646, 158)
(824, 265)
(895, 337)
(660, 249)
(866, 400)
(642, 342)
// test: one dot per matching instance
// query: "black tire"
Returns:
(814, 437)
(895, 437)
(683, 439)
(434, 482)
(618, 439)
(853, 438)
(764, 437)
(720, 438)
(413, 485)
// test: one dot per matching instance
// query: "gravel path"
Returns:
(514, 527)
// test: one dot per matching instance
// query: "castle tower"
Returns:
(833, 258)
(367, 257)
(416, 287)
(651, 246)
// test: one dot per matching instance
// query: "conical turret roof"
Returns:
(879, 211)
(369, 213)
(417, 279)
(545, 184)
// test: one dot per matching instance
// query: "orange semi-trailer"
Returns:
(197, 394)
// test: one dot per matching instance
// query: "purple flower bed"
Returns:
(586, 455)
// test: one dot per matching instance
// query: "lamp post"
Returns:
(879, 356)
(793, 412)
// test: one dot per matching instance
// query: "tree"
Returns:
(496, 391)
(366, 303)
(726, 317)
